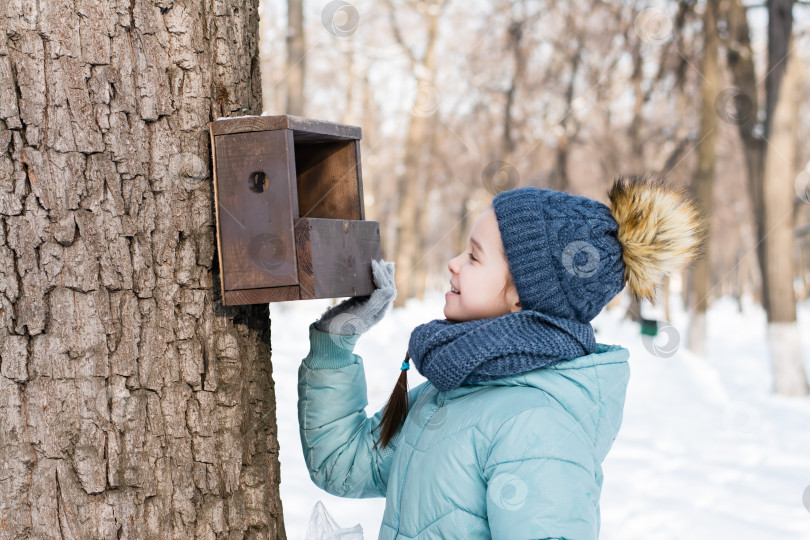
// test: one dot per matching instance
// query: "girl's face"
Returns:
(479, 274)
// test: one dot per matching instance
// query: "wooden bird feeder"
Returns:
(289, 208)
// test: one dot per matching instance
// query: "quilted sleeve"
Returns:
(541, 478)
(336, 435)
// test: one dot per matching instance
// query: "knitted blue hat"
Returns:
(563, 251)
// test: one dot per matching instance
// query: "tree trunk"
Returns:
(269, 54)
(739, 106)
(519, 63)
(295, 57)
(426, 224)
(636, 124)
(783, 333)
(132, 404)
(411, 190)
(560, 179)
(704, 176)
(770, 177)
(410, 193)
(636, 148)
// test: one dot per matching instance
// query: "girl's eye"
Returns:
(472, 256)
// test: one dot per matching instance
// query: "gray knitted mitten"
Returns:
(358, 314)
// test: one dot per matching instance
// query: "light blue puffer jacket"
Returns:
(519, 457)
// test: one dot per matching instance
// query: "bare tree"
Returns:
(649, 29)
(412, 183)
(132, 404)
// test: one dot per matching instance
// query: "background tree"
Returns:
(704, 172)
(782, 83)
(770, 158)
(414, 180)
(296, 57)
(132, 404)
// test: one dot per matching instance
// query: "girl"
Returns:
(507, 437)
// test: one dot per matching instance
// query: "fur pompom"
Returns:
(660, 231)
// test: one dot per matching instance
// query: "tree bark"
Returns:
(132, 404)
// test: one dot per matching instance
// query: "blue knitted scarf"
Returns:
(449, 354)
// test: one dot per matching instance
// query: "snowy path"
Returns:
(705, 451)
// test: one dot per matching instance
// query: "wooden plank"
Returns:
(341, 252)
(305, 129)
(328, 183)
(309, 125)
(260, 296)
(216, 213)
(306, 279)
(255, 197)
(358, 164)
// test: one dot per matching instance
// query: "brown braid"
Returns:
(396, 410)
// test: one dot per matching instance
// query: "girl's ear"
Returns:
(512, 298)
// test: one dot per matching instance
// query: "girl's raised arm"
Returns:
(337, 437)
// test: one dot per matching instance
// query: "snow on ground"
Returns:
(706, 451)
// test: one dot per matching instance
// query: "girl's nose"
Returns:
(453, 265)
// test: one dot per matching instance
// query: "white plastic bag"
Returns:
(323, 527)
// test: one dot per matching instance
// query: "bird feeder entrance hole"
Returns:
(288, 193)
